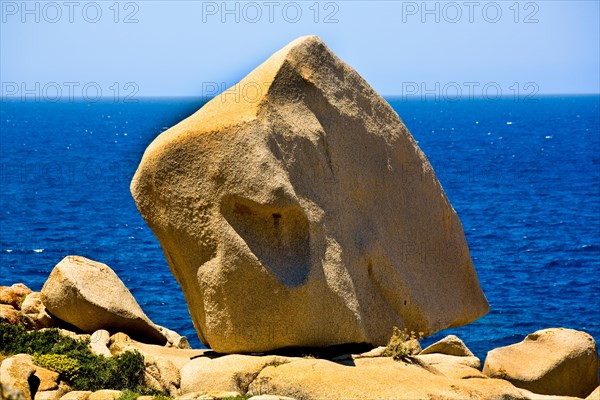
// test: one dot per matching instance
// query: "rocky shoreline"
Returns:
(549, 364)
(301, 225)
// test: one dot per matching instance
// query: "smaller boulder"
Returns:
(41, 380)
(120, 343)
(169, 375)
(77, 395)
(105, 395)
(13, 295)
(35, 314)
(99, 343)
(457, 367)
(174, 339)
(554, 361)
(49, 395)
(181, 343)
(119, 337)
(161, 374)
(17, 377)
(10, 315)
(90, 296)
(48, 379)
(450, 345)
(63, 388)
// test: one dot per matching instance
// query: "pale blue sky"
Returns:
(178, 47)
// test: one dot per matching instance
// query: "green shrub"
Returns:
(16, 340)
(131, 395)
(128, 395)
(73, 360)
(121, 372)
(402, 344)
(164, 397)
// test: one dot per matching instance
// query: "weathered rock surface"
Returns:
(120, 343)
(553, 361)
(34, 312)
(49, 395)
(211, 395)
(161, 374)
(99, 342)
(387, 379)
(48, 380)
(174, 339)
(17, 379)
(13, 295)
(431, 376)
(450, 345)
(229, 373)
(22, 379)
(10, 315)
(89, 295)
(297, 210)
(458, 367)
(77, 395)
(105, 395)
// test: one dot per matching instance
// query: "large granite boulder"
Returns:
(553, 361)
(296, 209)
(90, 296)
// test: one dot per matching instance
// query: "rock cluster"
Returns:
(448, 370)
(87, 296)
(19, 305)
(551, 364)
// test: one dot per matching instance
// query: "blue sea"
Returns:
(524, 177)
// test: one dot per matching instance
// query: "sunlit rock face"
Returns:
(296, 210)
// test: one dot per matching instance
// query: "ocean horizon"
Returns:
(522, 174)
